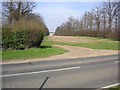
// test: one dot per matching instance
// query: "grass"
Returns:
(114, 88)
(98, 43)
(31, 53)
(46, 50)
(95, 38)
(94, 45)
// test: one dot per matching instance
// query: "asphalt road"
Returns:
(91, 72)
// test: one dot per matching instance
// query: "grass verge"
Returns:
(116, 87)
(113, 88)
(46, 50)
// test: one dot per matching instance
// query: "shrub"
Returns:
(13, 39)
(6, 38)
(22, 34)
(21, 39)
(34, 38)
(115, 35)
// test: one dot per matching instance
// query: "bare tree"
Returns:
(97, 20)
(7, 10)
(110, 8)
(12, 10)
(85, 21)
(98, 17)
(104, 21)
(90, 19)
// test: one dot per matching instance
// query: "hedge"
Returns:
(21, 39)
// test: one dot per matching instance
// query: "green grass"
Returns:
(95, 38)
(94, 45)
(114, 88)
(31, 53)
(98, 43)
(46, 50)
(117, 87)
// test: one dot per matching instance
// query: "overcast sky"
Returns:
(55, 13)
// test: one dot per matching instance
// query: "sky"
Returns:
(56, 13)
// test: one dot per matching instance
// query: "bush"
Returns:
(34, 38)
(6, 38)
(13, 39)
(115, 35)
(22, 34)
(21, 39)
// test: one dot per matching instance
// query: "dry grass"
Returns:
(69, 39)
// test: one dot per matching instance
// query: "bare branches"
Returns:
(111, 10)
(12, 10)
(99, 22)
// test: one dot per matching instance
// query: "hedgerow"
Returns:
(22, 34)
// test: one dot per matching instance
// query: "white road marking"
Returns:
(116, 61)
(40, 71)
(111, 85)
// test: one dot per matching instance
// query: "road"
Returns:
(91, 72)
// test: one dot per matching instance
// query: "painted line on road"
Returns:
(62, 69)
(116, 61)
(111, 85)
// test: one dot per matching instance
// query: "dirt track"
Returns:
(77, 52)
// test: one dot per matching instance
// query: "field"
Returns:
(48, 47)
(88, 42)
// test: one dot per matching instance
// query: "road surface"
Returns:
(91, 72)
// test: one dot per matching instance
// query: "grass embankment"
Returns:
(98, 43)
(46, 50)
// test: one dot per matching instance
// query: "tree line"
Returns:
(102, 21)
(21, 28)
